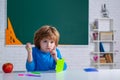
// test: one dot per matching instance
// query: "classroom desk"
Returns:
(104, 74)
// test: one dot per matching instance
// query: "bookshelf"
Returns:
(102, 38)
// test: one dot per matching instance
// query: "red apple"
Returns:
(7, 67)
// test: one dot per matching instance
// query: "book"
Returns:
(102, 60)
(106, 35)
(101, 47)
(108, 58)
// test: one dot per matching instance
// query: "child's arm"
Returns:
(29, 63)
(29, 51)
(58, 56)
(53, 52)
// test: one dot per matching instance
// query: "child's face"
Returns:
(47, 45)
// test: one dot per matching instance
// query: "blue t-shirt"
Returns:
(43, 61)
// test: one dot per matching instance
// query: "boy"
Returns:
(45, 54)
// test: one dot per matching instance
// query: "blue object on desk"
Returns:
(90, 70)
(32, 75)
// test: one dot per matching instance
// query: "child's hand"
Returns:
(28, 47)
(54, 53)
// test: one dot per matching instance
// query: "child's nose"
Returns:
(48, 44)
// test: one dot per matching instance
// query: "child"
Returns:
(45, 54)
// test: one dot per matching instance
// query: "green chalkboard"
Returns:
(70, 17)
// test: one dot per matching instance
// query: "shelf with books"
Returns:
(103, 40)
(103, 64)
(101, 52)
(107, 57)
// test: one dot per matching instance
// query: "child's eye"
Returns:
(52, 41)
(45, 41)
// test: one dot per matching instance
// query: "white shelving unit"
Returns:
(102, 37)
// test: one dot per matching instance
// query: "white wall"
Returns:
(76, 56)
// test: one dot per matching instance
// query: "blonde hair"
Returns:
(46, 31)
